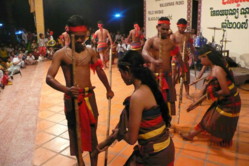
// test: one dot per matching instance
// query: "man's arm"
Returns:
(146, 53)
(109, 37)
(102, 76)
(52, 72)
(95, 35)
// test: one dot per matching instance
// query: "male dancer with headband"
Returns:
(158, 51)
(180, 38)
(104, 37)
(82, 89)
(137, 38)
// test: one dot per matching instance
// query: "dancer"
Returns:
(146, 116)
(104, 37)
(158, 51)
(83, 90)
(185, 43)
(65, 37)
(222, 116)
(137, 38)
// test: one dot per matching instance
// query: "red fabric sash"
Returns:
(164, 86)
(86, 119)
(174, 51)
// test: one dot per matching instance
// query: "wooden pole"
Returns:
(160, 57)
(109, 104)
(78, 133)
(181, 81)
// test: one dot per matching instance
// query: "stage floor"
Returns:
(34, 129)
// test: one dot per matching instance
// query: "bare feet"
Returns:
(187, 136)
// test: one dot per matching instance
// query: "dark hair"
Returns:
(133, 62)
(75, 20)
(100, 22)
(182, 21)
(216, 58)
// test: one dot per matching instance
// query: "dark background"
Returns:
(16, 14)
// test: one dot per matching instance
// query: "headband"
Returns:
(182, 25)
(163, 22)
(81, 28)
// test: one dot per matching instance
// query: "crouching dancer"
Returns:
(146, 116)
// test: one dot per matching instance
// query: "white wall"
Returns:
(173, 9)
(239, 37)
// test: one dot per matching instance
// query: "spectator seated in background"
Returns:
(16, 66)
(4, 78)
(50, 52)
(30, 60)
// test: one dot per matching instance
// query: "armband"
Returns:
(96, 64)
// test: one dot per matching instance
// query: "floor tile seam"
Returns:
(180, 149)
(210, 161)
(53, 134)
(46, 161)
(193, 150)
(52, 121)
(47, 116)
(191, 143)
(42, 144)
(118, 154)
(42, 119)
(58, 152)
(204, 160)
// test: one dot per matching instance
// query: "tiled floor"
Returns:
(51, 143)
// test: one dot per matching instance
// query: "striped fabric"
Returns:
(227, 104)
(102, 46)
(135, 46)
(153, 135)
(221, 118)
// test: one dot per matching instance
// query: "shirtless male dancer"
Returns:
(180, 38)
(82, 90)
(66, 37)
(158, 52)
(103, 37)
(137, 38)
